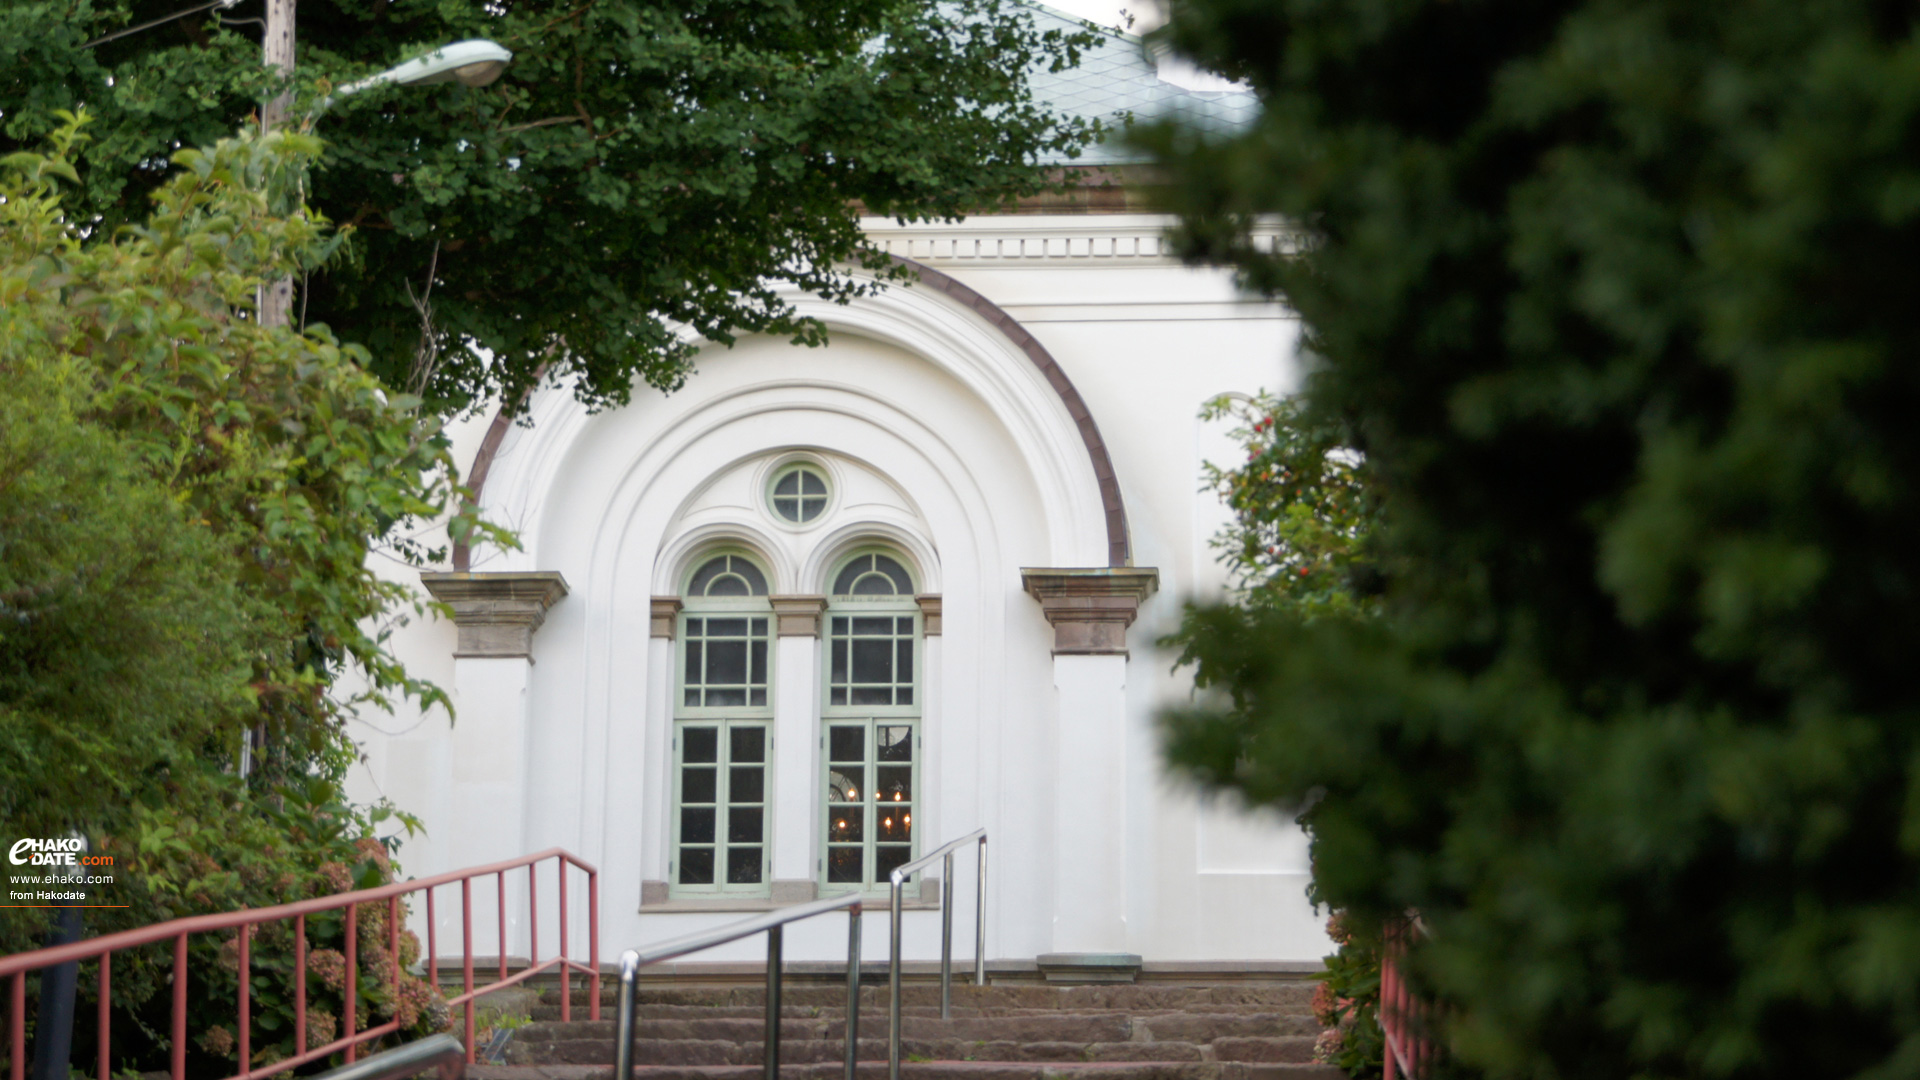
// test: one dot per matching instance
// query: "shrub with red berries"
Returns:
(1302, 510)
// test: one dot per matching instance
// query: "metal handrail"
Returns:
(442, 1053)
(772, 922)
(15, 968)
(898, 879)
(1405, 1018)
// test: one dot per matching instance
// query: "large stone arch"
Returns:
(917, 386)
(941, 320)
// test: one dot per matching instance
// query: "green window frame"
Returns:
(872, 786)
(870, 717)
(725, 662)
(721, 832)
(721, 835)
(799, 493)
(873, 661)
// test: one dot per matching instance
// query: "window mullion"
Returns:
(723, 808)
(872, 665)
(871, 770)
(725, 671)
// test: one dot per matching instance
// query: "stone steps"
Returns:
(1287, 996)
(1287, 1049)
(691, 1023)
(876, 1005)
(930, 1070)
(1242, 1031)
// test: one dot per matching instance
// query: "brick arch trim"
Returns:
(1119, 551)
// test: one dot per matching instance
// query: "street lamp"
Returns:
(474, 63)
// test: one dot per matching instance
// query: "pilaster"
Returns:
(489, 747)
(656, 766)
(1090, 611)
(796, 727)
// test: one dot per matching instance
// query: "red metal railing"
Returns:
(1411, 1050)
(102, 949)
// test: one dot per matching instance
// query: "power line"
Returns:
(221, 4)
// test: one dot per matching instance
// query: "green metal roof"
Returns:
(1118, 77)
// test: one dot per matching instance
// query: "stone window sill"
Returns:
(750, 904)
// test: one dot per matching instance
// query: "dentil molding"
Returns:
(1129, 240)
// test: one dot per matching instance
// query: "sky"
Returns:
(1146, 13)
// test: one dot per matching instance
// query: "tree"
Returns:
(1298, 545)
(188, 504)
(1302, 509)
(642, 169)
(1613, 298)
(125, 636)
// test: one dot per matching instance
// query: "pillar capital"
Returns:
(929, 613)
(663, 612)
(797, 616)
(1090, 609)
(498, 612)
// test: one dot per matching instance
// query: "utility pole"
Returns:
(53, 1038)
(276, 296)
(276, 299)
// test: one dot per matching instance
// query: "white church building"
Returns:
(824, 609)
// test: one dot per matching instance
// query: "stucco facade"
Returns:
(1019, 433)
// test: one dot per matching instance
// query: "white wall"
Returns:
(944, 441)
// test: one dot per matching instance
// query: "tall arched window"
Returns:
(872, 719)
(722, 734)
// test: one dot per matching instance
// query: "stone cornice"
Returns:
(797, 616)
(497, 613)
(1091, 608)
(663, 612)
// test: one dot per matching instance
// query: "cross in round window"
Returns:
(799, 494)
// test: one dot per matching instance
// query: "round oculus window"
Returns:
(799, 494)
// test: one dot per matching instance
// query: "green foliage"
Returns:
(1615, 298)
(188, 503)
(641, 170)
(1303, 514)
(1302, 511)
(125, 637)
(276, 852)
(1347, 1001)
(383, 989)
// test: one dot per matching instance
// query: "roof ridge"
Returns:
(1110, 31)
